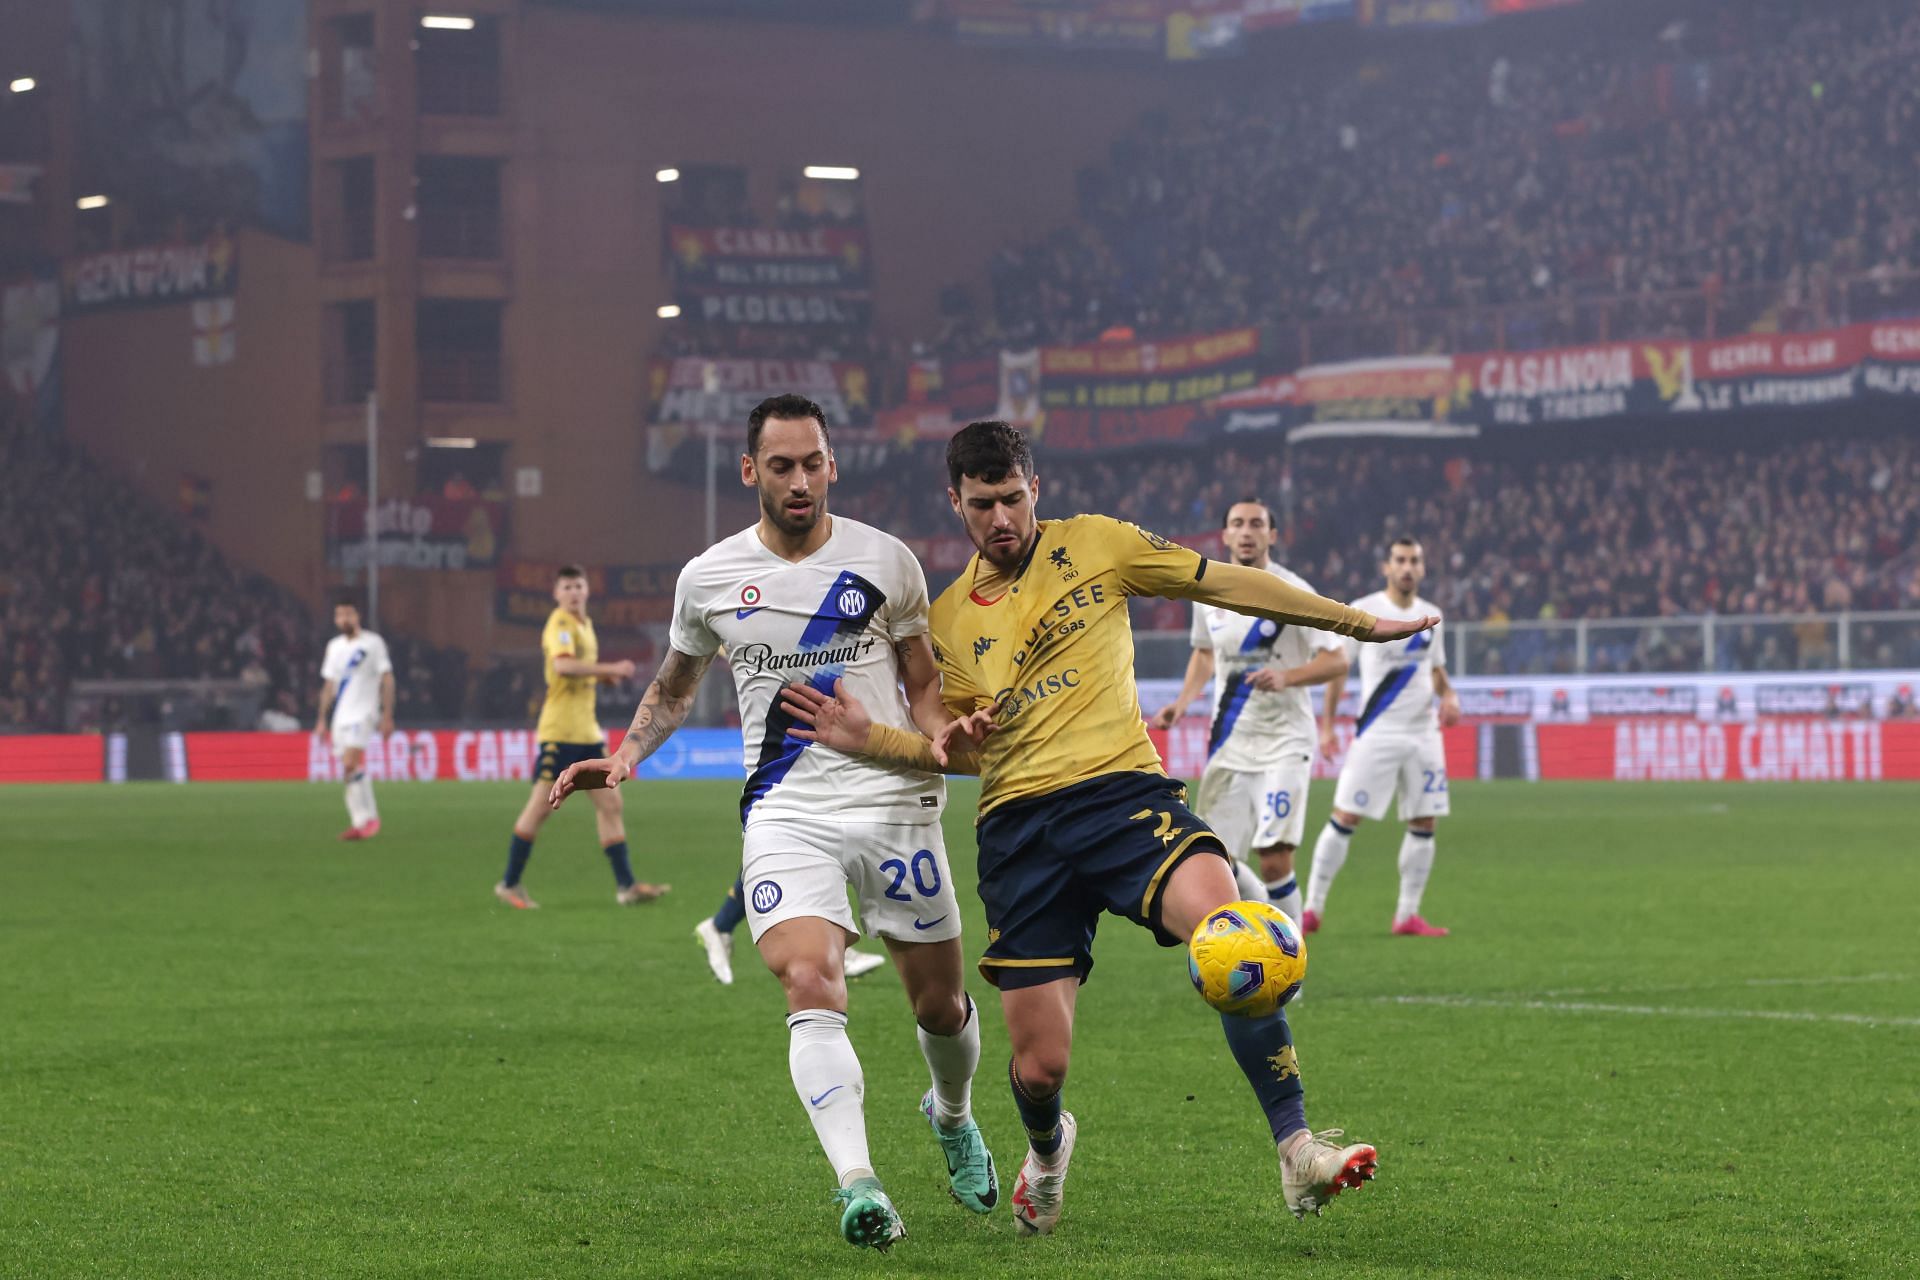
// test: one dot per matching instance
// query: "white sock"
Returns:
(356, 813)
(367, 806)
(1416, 864)
(1251, 890)
(1285, 894)
(826, 1074)
(1329, 855)
(953, 1060)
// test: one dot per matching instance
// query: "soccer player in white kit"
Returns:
(817, 599)
(358, 688)
(1260, 740)
(1405, 698)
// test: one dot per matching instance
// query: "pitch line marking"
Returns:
(1731, 982)
(1649, 1010)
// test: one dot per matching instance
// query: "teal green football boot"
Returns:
(971, 1178)
(870, 1220)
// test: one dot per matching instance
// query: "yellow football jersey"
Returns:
(1054, 655)
(567, 715)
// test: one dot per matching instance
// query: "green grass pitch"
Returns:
(1676, 1032)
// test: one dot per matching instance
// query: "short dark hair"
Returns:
(569, 571)
(346, 600)
(1404, 540)
(989, 452)
(1241, 502)
(783, 406)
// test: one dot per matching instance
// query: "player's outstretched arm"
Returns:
(1199, 671)
(841, 721)
(1255, 591)
(663, 708)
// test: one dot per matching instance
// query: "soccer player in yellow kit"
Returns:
(1077, 816)
(568, 732)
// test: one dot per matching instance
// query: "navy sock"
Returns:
(733, 909)
(622, 871)
(1041, 1116)
(1264, 1049)
(517, 854)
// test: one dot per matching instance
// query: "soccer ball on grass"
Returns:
(1247, 958)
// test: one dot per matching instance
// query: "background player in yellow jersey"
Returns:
(1077, 815)
(568, 733)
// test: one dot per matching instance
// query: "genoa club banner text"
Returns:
(1757, 371)
(425, 532)
(769, 276)
(154, 274)
(698, 389)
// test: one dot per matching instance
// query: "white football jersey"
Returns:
(1396, 680)
(1252, 728)
(355, 666)
(835, 615)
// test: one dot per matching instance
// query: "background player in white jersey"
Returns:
(1260, 740)
(804, 596)
(1396, 745)
(358, 689)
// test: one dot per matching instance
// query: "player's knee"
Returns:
(1347, 820)
(1042, 1070)
(942, 1013)
(811, 983)
(1421, 826)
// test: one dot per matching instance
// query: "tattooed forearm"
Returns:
(665, 705)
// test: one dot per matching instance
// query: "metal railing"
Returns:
(1846, 641)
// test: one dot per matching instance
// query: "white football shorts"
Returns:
(1251, 810)
(802, 866)
(1378, 764)
(352, 735)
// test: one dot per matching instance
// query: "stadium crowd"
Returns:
(1782, 528)
(99, 583)
(1758, 152)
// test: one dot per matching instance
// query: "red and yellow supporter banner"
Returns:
(1122, 394)
(1723, 375)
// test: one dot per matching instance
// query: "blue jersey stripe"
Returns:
(1233, 700)
(780, 751)
(359, 656)
(1383, 695)
(1258, 638)
(846, 610)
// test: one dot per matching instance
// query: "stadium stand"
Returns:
(1754, 158)
(99, 583)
